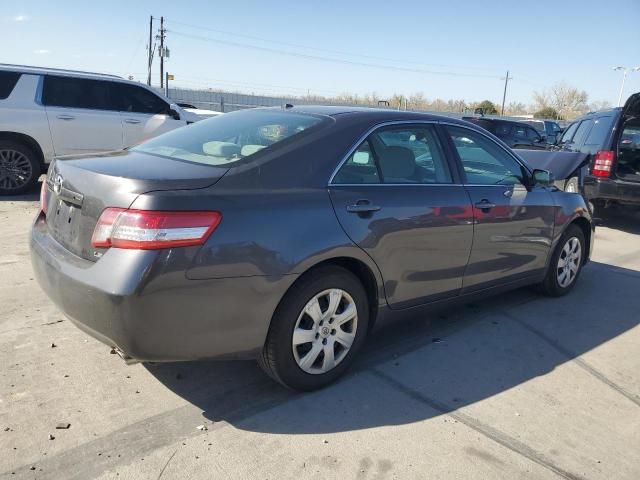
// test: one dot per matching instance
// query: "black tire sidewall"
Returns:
(551, 285)
(35, 167)
(280, 352)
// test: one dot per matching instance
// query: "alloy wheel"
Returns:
(569, 262)
(324, 331)
(15, 169)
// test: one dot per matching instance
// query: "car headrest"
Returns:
(221, 149)
(250, 149)
(397, 162)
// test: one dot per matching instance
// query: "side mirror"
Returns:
(543, 178)
(173, 111)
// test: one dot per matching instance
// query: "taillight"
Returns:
(43, 197)
(149, 230)
(603, 163)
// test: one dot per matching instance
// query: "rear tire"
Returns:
(566, 263)
(19, 168)
(317, 330)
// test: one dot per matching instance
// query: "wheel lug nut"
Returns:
(333, 332)
(324, 341)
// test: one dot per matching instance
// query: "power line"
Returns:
(337, 52)
(330, 59)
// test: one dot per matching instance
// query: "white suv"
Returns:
(46, 113)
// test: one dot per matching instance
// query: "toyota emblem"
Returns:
(57, 184)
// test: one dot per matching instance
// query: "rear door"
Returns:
(628, 142)
(513, 224)
(144, 114)
(397, 198)
(82, 118)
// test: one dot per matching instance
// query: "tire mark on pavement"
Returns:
(491, 433)
(574, 357)
(167, 463)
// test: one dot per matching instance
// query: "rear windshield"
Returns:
(230, 137)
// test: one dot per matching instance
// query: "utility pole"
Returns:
(162, 35)
(504, 95)
(150, 56)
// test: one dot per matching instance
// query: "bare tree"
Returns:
(568, 101)
(599, 105)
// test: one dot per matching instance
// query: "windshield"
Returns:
(231, 137)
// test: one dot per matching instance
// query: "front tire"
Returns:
(566, 263)
(19, 168)
(317, 330)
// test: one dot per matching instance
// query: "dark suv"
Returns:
(514, 134)
(611, 139)
(549, 129)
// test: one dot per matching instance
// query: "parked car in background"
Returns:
(514, 134)
(46, 112)
(610, 140)
(285, 234)
(549, 129)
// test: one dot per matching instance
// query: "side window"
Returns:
(407, 155)
(502, 129)
(582, 132)
(8, 81)
(485, 162)
(533, 135)
(76, 93)
(601, 129)
(134, 99)
(410, 154)
(520, 131)
(360, 167)
(568, 133)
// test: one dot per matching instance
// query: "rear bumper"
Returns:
(612, 189)
(135, 301)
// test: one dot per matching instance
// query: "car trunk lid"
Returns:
(78, 190)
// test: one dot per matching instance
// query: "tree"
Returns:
(487, 107)
(568, 101)
(547, 112)
(515, 108)
(599, 105)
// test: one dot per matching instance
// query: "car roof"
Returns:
(29, 69)
(598, 113)
(370, 113)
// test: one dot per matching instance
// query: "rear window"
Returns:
(231, 137)
(599, 133)
(582, 132)
(8, 80)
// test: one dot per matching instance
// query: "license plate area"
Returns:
(64, 222)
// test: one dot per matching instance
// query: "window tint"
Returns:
(568, 133)
(520, 131)
(601, 129)
(360, 167)
(502, 129)
(8, 80)
(76, 93)
(231, 137)
(485, 162)
(532, 134)
(554, 128)
(131, 98)
(582, 131)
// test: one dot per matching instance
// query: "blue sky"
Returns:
(448, 49)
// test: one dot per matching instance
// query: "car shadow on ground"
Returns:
(451, 359)
(33, 195)
(625, 219)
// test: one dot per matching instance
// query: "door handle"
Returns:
(132, 120)
(485, 204)
(362, 206)
(66, 117)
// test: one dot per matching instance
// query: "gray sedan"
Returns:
(284, 235)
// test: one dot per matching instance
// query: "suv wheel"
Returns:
(19, 168)
(317, 330)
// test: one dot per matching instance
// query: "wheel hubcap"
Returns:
(325, 331)
(15, 169)
(569, 262)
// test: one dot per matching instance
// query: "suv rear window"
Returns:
(8, 81)
(76, 93)
(231, 137)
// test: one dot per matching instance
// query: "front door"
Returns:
(144, 114)
(513, 223)
(396, 197)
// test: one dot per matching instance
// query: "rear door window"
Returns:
(581, 133)
(73, 92)
(8, 81)
(360, 167)
(502, 129)
(134, 99)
